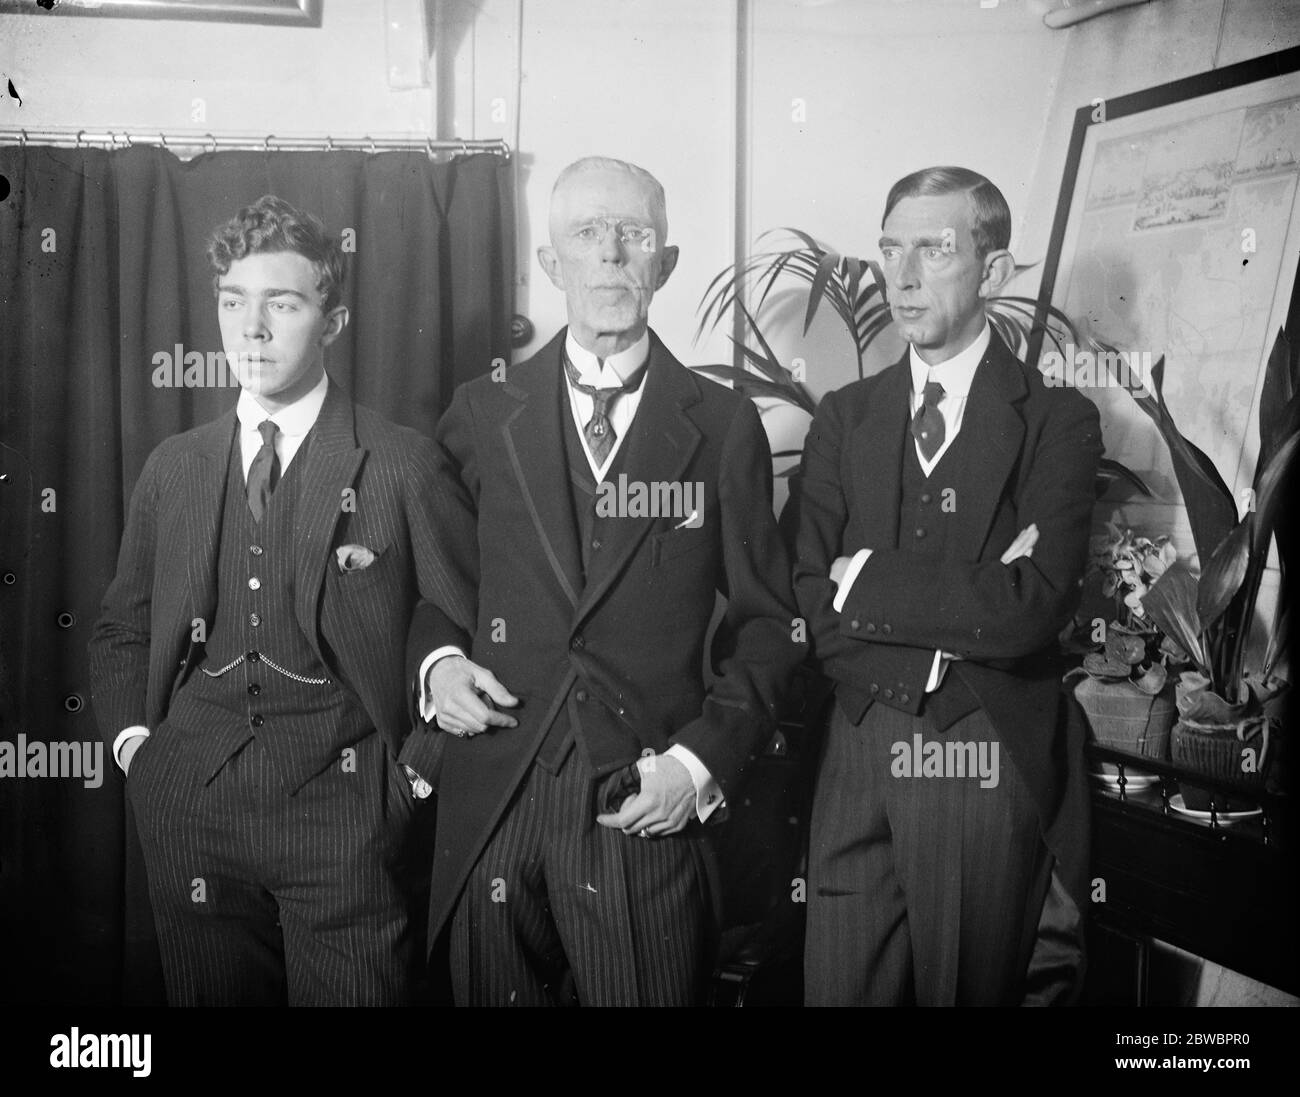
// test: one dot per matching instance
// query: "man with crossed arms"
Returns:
(944, 530)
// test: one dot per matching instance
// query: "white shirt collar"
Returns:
(618, 367)
(295, 420)
(955, 374)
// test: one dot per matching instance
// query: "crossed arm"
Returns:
(995, 608)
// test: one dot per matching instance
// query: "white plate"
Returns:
(1226, 818)
(1133, 782)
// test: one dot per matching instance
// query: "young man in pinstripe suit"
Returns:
(247, 667)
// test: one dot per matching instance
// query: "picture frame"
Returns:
(297, 13)
(1176, 233)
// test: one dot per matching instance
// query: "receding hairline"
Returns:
(588, 164)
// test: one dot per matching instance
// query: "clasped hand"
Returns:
(663, 806)
(465, 697)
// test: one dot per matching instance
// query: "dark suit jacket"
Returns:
(142, 647)
(634, 635)
(1034, 459)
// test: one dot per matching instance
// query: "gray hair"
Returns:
(658, 203)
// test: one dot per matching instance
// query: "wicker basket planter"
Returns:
(1122, 717)
(1236, 753)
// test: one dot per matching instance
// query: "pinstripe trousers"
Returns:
(559, 910)
(261, 898)
(921, 890)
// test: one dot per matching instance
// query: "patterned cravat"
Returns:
(264, 472)
(599, 431)
(927, 424)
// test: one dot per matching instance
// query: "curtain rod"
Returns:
(207, 142)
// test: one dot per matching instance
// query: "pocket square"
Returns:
(354, 557)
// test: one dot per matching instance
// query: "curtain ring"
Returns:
(372, 144)
(22, 139)
(163, 138)
(127, 138)
(79, 133)
(266, 143)
(329, 143)
(464, 148)
(428, 147)
(214, 143)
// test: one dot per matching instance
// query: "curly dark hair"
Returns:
(272, 224)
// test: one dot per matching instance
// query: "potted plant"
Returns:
(1124, 688)
(1228, 710)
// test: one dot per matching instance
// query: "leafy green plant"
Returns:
(1134, 649)
(1211, 617)
(1129, 563)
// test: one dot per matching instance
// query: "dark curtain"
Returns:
(102, 268)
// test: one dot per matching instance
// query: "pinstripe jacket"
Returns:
(366, 481)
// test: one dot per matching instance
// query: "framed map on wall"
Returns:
(1177, 235)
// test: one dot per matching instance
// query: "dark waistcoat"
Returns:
(259, 676)
(599, 744)
(926, 516)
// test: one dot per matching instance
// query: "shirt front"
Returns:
(956, 375)
(612, 372)
(292, 423)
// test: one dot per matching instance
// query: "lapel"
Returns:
(662, 441)
(997, 432)
(535, 449)
(333, 459)
(877, 455)
(204, 485)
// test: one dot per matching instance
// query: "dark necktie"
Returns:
(599, 431)
(264, 472)
(927, 424)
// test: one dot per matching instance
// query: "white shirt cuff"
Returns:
(850, 574)
(426, 705)
(937, 670)
(708, 796)
(122, 737)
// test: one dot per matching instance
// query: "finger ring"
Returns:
(643, 833)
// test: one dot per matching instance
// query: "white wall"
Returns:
(643, 80)
(93, 73)
(888, 88)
